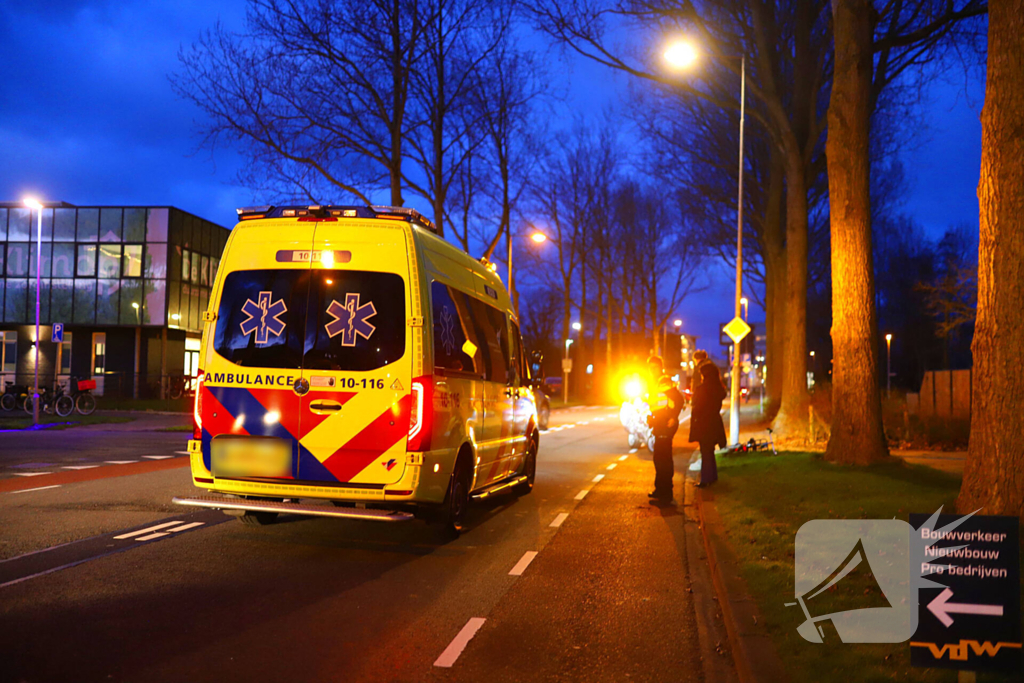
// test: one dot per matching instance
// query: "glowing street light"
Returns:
(677, 322)
(577, 326)
(538, 237)
(681, 55)
(34, 204)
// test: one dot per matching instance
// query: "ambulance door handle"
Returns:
(321, 407)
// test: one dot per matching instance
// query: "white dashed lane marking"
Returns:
(119, 462)
(79, 467)
(39, 488)
(147, 530)
(523, 563)
(29, 474)
(181, 452)
(611, 467)
(455, 648)
(598, 478)
(623, 458)
(157, 457)
(562, 516)
(582, 494)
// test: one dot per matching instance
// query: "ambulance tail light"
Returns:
(421, 414)
(197, 408)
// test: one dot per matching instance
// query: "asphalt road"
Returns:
(581, 580)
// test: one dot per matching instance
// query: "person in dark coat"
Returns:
(706, 426)
(665, 402)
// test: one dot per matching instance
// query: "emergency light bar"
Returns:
(391, 212)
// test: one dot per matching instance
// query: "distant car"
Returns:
(553, 383)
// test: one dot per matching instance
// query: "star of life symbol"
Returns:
(447, 330)
(350, 320)
(264, 317)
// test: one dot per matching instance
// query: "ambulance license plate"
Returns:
(251, 458)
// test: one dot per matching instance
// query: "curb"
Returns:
(753, 652)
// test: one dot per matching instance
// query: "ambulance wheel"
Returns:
(250, 518)
(650, 445)
(529, 468)
(453, 514)
(633, 440)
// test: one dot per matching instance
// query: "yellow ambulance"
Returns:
(354, 364)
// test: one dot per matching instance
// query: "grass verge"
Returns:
(764, 500)
(14, 421)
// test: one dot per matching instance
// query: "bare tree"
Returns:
(994, 471)
(458, 38)
(315, 91)
(857, 436)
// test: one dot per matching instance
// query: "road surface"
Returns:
(581, 580)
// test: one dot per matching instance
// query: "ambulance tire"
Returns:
(650, 445)
(453, 512)
(633, 440)
(529, 468)
(250, 518)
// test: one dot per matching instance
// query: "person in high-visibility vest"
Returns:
(665, 402)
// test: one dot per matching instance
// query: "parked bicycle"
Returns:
(14, 396)
(81, 392)
(181, 386)
(52, 401)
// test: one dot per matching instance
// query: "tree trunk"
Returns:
(994, 471)
(857, 436)
(791, 422)
(774, 281)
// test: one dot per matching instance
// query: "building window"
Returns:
(110, 260)
(17, 259)
(192, 347)
(9, 351)
(64, 225)
(64, 355)
(110, 225)
(88, 225)
(132, 260)
(85, 301)
(86, 260)
(99, 353)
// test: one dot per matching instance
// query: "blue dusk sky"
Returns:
(87, 116)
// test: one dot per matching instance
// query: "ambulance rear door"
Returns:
(249, 409)
(357, 366)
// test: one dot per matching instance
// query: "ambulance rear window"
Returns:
(356, 320)
(344, 320)
(261, 318)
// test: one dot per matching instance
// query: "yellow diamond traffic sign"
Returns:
(737, 329)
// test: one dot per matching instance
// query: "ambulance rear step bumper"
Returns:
(219, 503)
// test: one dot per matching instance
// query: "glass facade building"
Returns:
(129, 284)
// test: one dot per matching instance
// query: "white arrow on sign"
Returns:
(941, 607)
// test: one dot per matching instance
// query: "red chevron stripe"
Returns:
(216, 418)
(375, 439)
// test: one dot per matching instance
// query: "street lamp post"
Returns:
(34, 204)
(888, 365)
(682, 54)
(565, 372)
